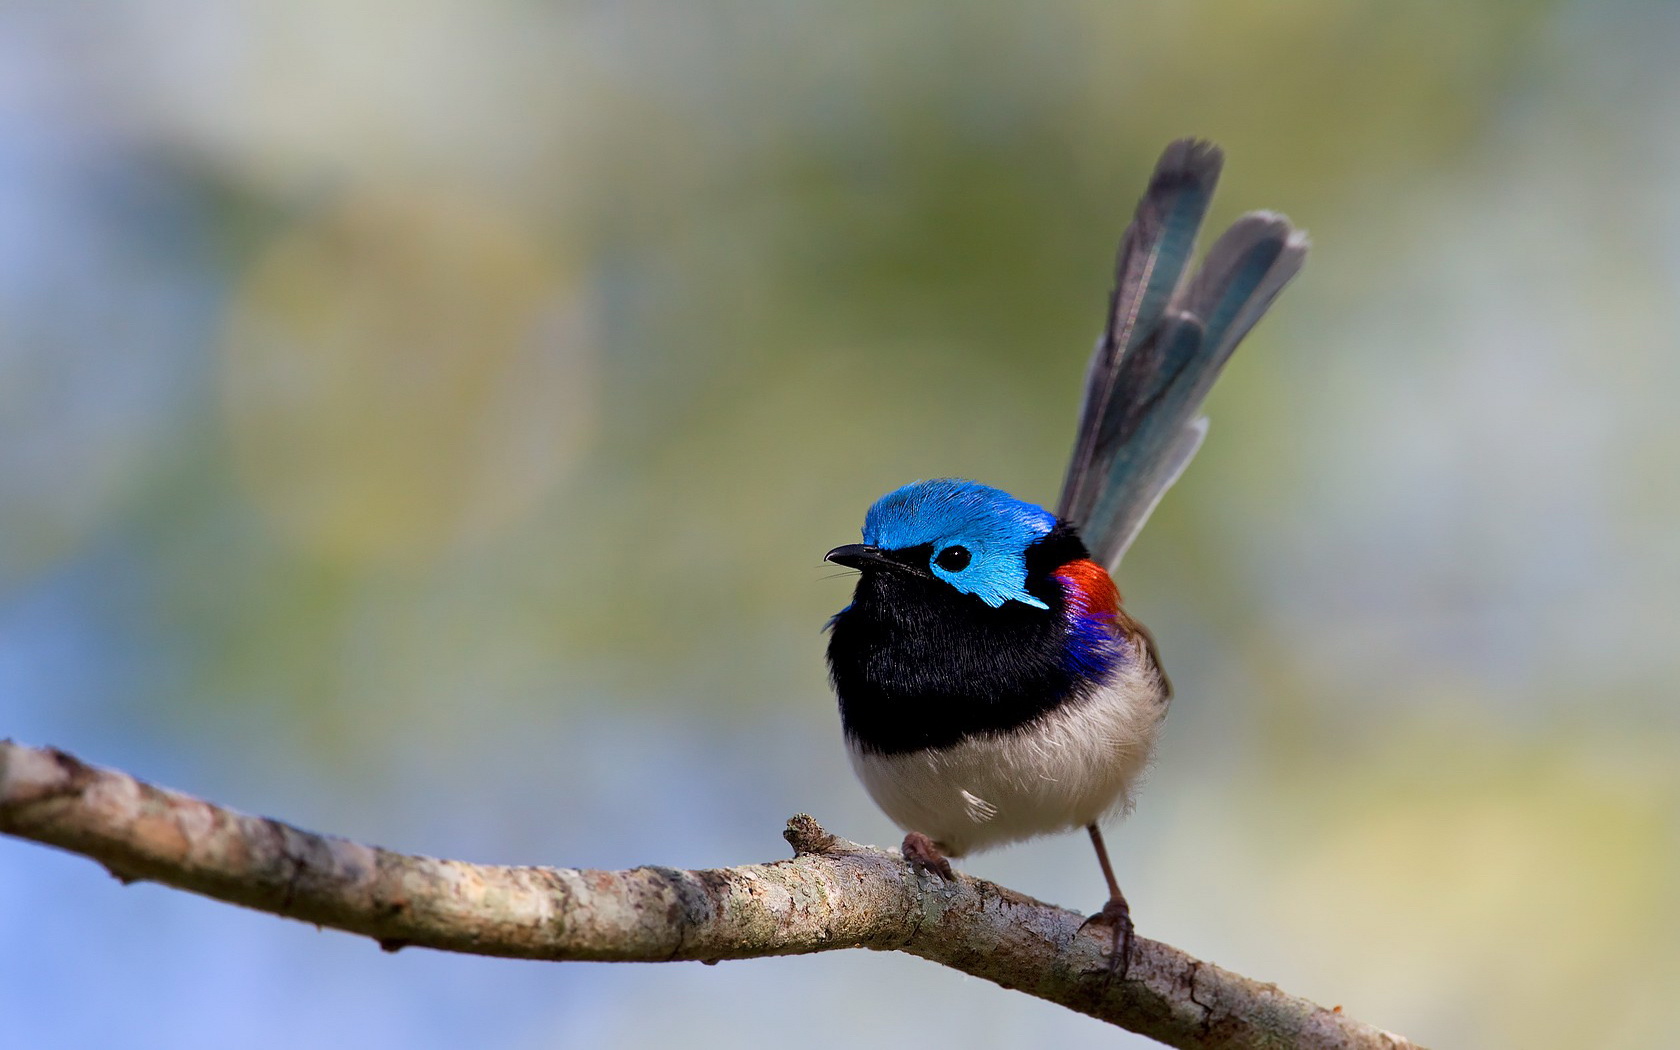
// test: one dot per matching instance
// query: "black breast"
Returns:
(918, 664)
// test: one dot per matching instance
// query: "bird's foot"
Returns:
(1118, 915)
(920, 851)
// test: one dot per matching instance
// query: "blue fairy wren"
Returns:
(992, 687)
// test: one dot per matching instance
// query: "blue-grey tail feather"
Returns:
(1150, 487)
(1149, 267)
(1164, 345)
(1244, 271)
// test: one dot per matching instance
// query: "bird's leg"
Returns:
(920, 851)
(1116, 913)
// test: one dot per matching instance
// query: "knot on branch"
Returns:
(805, 835)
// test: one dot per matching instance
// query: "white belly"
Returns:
(1064, 771)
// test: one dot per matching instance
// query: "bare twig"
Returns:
(832, 894)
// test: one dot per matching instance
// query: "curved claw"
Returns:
(1118, 914)
(921, 852)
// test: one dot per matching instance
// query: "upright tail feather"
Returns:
(1148, 269)
(1164, 344)
(1243, 272)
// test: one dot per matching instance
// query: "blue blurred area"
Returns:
(423, 423)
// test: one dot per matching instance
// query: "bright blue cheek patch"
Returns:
(996, 528)
(992, 577)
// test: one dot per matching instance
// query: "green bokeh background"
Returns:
(423, 421)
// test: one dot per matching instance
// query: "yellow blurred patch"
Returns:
(1489, 885)
(405, 371)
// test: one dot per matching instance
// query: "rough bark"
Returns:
(831, 894)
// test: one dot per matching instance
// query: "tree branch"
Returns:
(832, 894)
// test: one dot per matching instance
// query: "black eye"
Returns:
(953, 559)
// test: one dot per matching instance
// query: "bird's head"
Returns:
(973, 537)
(975, 612)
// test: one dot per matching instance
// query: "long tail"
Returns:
(1166, 340)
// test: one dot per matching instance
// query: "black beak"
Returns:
(860, 556)
(863, 557)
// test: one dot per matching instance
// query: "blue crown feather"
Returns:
(994, 527)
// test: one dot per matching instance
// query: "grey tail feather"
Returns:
(1149, 269)
(1243, 272)
(1167, 470)
(1164, 345)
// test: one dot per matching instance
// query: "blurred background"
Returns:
(424, 421)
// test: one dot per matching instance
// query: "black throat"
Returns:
(918, 664)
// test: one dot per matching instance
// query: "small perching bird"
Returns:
(992, 688)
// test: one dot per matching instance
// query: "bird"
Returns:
(992, 686)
